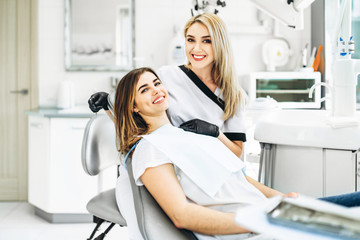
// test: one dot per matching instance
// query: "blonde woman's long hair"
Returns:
(223, 71)
(128, 124)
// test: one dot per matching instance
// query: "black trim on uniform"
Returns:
(235, 136)
(203, 87)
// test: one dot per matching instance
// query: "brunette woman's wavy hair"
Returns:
(129, 124)
(223, 71)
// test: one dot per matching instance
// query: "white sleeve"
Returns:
(146, 156)
(234, 127)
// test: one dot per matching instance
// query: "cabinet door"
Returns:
(340, 172)
(298, 169)
(39, 155)
(71, 187)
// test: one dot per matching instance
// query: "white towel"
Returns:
(204, 159)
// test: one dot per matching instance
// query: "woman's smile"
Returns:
(159, 100)
(198, 57)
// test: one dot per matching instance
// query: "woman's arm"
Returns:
(269, 192)
(235, 146)
(164, 186)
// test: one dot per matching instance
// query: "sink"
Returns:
(309, 128)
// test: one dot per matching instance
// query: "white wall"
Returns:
(51, 60)
(155, 24)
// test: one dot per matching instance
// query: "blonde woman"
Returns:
(205, 94)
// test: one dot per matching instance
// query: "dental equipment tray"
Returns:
(292, 215)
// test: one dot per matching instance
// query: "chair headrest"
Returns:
(99, 145)
(111, 101)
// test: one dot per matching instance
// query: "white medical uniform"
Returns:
(190, 98)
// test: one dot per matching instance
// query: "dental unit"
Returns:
(344, 69)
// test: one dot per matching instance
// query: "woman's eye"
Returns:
(157, 84)
(190, 40)
(144, 90)
(207, 41)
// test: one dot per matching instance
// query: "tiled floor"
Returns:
(18, 222)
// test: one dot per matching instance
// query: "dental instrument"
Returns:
(316, 62)
(312, 58)
(304, 55)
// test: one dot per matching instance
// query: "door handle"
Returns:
(22, 91)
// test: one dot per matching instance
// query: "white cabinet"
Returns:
(297, 169)
(305, 151)
(340, 172)
(316, 172)
(58, 185)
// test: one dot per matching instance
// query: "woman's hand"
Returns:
(292, 195)
(201, 127)
(97, 101)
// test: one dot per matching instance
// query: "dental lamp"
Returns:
(207, 6)
(288, 12)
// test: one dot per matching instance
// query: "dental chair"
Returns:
(98, 153)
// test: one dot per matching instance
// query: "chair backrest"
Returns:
(99, 152)
(99, 145)
(153, 222)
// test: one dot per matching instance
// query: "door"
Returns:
(18, 92)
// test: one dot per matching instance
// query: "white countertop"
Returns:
(82, 111)
(310, 128)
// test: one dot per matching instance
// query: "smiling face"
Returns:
(198, 46)
(151, 97)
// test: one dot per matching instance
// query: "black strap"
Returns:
(196, 80)
(235, 136)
